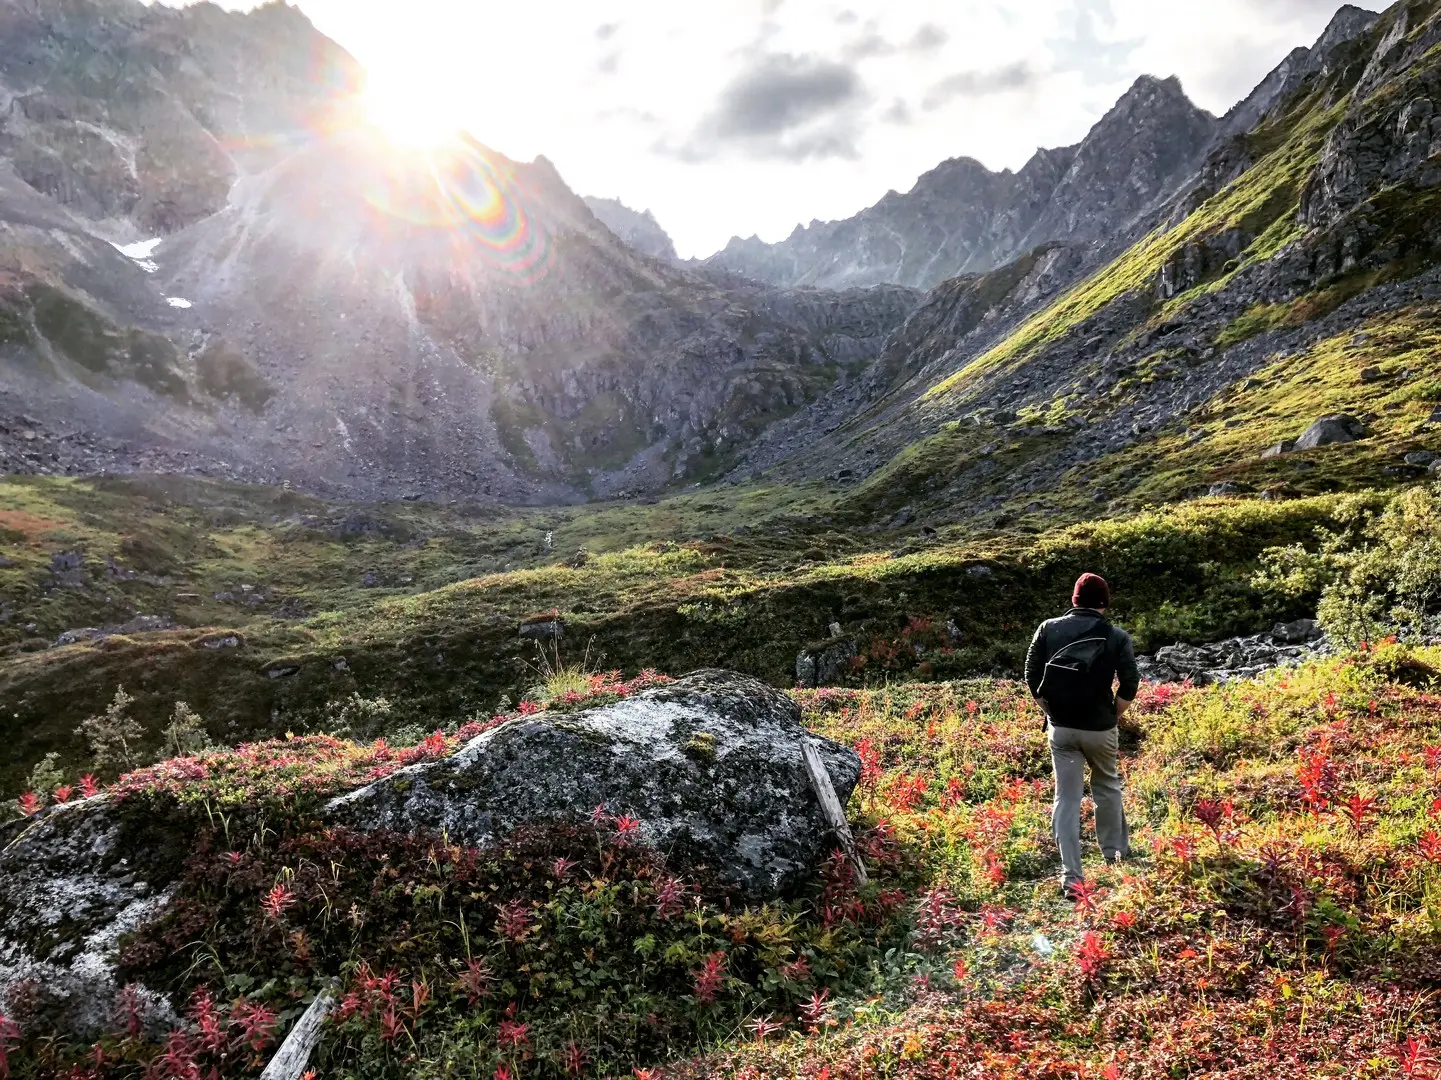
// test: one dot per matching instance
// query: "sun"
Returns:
(410, 109)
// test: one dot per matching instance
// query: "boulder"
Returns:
(1236, 658)
(1296, 633)
(1330, 431)
(823, 663)
(1421, 458)
(709, 766)
(545, 629)
(73, 880)
(1277, 450)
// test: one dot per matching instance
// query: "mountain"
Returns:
(963, 218)
(326, 309)
(637, 228)
(1295, 275)
(138, 118)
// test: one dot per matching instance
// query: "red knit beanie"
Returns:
(1091, 592)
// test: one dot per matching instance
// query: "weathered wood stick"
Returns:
(831, 807)
(294, 1054)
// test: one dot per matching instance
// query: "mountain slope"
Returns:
(1303, 256)
(335, 311)
(638, 229)
(138, 118)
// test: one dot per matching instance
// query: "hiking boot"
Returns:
(1115, 858)
(1070, 891)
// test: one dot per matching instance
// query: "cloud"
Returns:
(869, 44)
(979, 84)
(782, 106)
(928, 38)
(782, 91)
(606, 31)
(1084, 47)
(897, 113)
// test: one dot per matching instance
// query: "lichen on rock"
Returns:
(73, 881)
(744, 808)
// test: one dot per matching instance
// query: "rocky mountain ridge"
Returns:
(638, 228)
(1310, 234)
(961, 218)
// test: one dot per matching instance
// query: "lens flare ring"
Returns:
(463, 191)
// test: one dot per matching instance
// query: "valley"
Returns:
(370, 458)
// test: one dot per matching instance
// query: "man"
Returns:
(1071, 666)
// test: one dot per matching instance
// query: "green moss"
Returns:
(702, 747)
(1257, 319)
(101, 348)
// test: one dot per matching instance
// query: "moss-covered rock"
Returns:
(709, 768)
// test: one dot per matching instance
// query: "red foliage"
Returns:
(710, 978)
(1092, 955)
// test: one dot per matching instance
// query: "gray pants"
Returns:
(1071, 750)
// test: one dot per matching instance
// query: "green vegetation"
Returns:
(100, 348)
(1278, 915)
(1378, 572)
(308, 634)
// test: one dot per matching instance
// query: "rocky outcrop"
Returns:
(823, 663)
(961, 218)
(138, 118)
(1330, 430)
(1236, 658)
(709, 768)
(639, 229)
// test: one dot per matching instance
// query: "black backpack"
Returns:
(1068, 684)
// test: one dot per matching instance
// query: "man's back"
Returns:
(1097, 712)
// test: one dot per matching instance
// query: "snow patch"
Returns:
(140, 252)
(178, 302)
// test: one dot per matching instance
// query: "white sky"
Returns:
(749, 116)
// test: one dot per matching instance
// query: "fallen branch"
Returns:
(294, 1054)
(831, 807)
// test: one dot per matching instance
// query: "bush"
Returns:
(1378, 574)
(186, 733)
(113, 735)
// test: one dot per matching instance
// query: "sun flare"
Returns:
(410, 110)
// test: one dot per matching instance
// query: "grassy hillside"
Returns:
(277, 624)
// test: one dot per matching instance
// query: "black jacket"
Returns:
(1119, 661)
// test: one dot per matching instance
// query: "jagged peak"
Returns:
(1349, 22)
(1151, 88)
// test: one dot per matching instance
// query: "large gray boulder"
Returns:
(1330, 431)
(710, 766)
